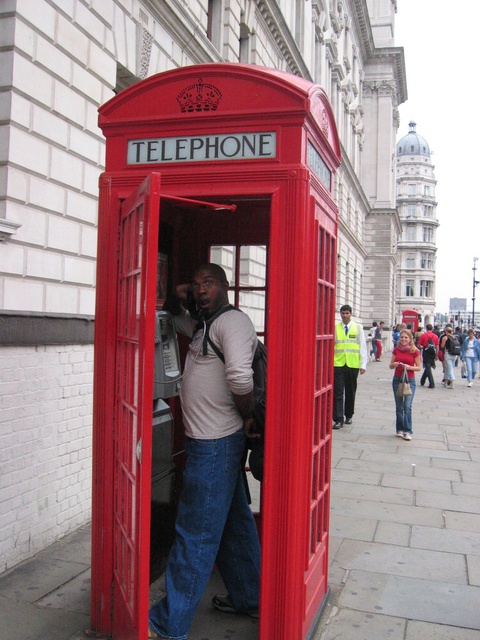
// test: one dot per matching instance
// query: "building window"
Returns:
(410, 261)
(426, 190)
(427, 234)
(299, 23)
(426, 288)
(426, 261)
(410, 233)
(411, 209)
(214, 23)
(347, 282)
(410, 288)
(428, 211)
(411, 190)
(246, 269)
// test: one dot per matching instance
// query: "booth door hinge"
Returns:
(139, 451)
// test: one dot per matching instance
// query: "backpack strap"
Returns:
(206, 337)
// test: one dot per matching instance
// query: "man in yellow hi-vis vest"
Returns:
(350, 357)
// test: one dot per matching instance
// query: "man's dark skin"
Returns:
(210, 295)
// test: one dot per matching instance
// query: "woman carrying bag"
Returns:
(405, 360)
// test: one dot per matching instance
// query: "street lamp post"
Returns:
(475, 282)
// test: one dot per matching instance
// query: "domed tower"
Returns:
(416, 205)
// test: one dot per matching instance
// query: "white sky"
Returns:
(441, 57)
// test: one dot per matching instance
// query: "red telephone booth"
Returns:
(410, 316)
(200, 158)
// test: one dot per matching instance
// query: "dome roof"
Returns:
(412, 144)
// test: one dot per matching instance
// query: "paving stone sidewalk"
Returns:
(405, 516)
(404, 534)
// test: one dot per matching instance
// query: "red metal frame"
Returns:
(410, 316)
(128, 401)
(281, 202)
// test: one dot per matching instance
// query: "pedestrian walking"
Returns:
(448, 345)
(405, 360)
(470, 355)
(428, 345)
(373, 349)
(378, 341)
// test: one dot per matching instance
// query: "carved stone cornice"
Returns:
(337, 17)
(319, 18)
(361, 20)
(275, 22)
(382, 87)
(8, 229)
(331, 48)
(338, 73)
(395, 57)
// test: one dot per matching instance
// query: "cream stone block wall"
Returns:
(58, 64)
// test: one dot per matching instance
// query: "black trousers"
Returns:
(427, 373)
(344, 390)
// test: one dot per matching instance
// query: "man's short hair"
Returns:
(429, 327)
(215, 269)
(346, 307)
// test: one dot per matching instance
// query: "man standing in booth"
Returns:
(214, 523)
(350, 356)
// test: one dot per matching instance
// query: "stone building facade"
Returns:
(417, 208)
(59, 61)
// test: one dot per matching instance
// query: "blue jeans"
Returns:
(471, 364)
(403, 405)
(214, 524)
(449, 367)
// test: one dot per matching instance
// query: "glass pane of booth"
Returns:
(246, 269)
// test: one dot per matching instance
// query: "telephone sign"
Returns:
(227, 146)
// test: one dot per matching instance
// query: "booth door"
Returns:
(137, 265)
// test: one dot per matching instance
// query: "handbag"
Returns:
(404, 386)
(464, 370)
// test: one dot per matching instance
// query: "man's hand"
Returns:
(249, 428)
(362, 371)
(181, 291)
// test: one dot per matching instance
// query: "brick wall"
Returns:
(45, 450)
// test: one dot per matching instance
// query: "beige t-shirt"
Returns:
(208, 407)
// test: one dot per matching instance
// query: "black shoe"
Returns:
(222, 603)
(338, 425)
(348, 421)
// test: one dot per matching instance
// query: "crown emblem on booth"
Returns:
(199, 97)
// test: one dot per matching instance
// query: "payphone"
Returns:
(271, 157)
(166, 384)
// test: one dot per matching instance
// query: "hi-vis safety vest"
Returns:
(347, 348)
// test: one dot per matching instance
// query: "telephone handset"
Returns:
(167, 359)
(191, 306)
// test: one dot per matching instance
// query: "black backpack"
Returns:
(259, 367)
(454, 346)
(430, 349)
